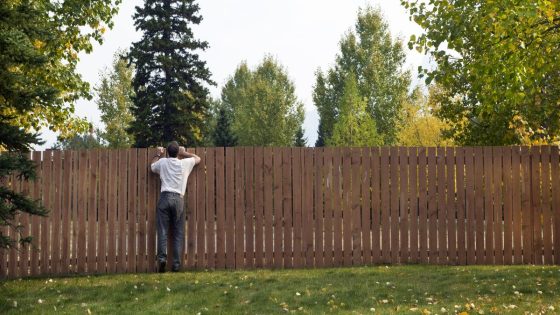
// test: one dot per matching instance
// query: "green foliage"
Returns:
(264, 107)
(114, 99)
(376, 61)
(355, 126)
(81, 141)
(420, 126)
(39, 46)
(222, 136)
(498, 64)
(171, 101)
(299, 140)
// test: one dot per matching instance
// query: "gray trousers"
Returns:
(170, 213)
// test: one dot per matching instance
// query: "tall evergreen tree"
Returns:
(355, 126)
(376, 61)
(299, 140)
(171, 101)
(222, 135)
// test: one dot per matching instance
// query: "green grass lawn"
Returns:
(363, 290)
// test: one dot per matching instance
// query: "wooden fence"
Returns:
(296, 207)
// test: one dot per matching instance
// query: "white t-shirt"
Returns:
(173, 173)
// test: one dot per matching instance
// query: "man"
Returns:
(173, 172)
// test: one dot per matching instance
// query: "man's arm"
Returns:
(156, 158)
(184, 154)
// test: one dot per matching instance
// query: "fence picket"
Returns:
(131, 211)
(555, 177)
(508, 211)
(318, 189)
(451, 206)
(365, 184)
(91, 229)
(461, 207)
(488, 208)
(307, 214)
(376, 206)
(404, 194)
(441, 207)
(287, 206)
(497, 193)
(259, 208)
(297, 176)
(479, 210)
(432, 206)
(249, 209)
(210, 208)
(413, 196)
(220, 210)
(516, 202)
(355, 206)
(526, 207)
(102, 214)
(385, 207)
(112, 217)
(268, 248)
(328, 210)
(277, 205)
(536, 210)
(143, 207)
(347, 206)
(190, 217)
(422, 204)
(546, 205)
(200, 171)
(26, 232)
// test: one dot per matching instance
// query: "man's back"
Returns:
(174, 173)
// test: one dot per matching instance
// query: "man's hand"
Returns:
(184, 154)
(160, 151)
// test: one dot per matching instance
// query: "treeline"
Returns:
(365, 99)
(155, 91)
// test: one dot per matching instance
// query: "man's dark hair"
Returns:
(173, 149)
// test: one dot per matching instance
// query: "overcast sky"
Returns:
(303, 35)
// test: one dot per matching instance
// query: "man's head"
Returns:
(173, 149)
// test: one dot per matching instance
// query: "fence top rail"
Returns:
(305, 148)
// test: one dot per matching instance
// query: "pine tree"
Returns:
(355, 126)
(222, 135)
(171, 101)
(299, 140)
